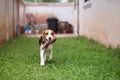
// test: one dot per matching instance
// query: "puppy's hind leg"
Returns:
(50, 55)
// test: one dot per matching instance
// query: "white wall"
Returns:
(62, 12)
(101, 21)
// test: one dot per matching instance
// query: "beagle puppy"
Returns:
(46, 47)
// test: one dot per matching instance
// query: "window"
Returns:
(86, 1)
(87, 4)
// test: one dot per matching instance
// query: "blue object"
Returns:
(27, 28)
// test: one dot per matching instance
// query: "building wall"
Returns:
(64, 12)
(8, 19)
(2, 21)
(100, 20)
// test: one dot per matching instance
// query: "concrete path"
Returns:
(57, 35)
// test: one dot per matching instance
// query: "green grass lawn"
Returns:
(73, 59)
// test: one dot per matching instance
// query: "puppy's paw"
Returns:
(42, 64)
(49, 59)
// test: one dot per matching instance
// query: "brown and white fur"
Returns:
(44, 52)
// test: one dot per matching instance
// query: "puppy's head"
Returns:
(46, 36)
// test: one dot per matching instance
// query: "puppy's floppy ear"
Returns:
(42, 38)
(53, 33)
(54, 38)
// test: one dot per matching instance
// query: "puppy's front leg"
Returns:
(50, 55)
(42, 58)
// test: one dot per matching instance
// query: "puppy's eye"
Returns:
(46, 33)
(51, 33)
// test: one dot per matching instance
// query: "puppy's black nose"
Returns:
(49, 38)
